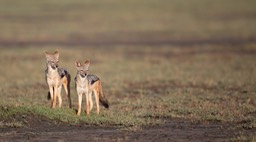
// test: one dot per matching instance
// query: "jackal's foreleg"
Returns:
(55, 93)
(59, 96)
(80, 95)
(87, 103)
(51, 94)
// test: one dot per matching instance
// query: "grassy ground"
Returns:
(145, 84)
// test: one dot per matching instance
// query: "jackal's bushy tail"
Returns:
(102, 98)
(68, 88)
(48, 96)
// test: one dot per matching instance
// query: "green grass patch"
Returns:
(16, 116)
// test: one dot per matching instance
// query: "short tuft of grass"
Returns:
(16, 117)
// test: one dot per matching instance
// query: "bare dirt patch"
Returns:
(42, 129)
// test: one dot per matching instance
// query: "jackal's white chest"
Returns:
(81, 90)
(81, 85)
(52, 77)
(53, 81)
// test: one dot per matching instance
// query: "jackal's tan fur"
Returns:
(88, 84)
(56, 78)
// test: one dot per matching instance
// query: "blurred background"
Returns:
(145, 22)
(169, 44)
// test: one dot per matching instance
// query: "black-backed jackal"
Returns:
(86, 84)
(56, 78)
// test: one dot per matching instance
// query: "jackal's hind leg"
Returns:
(90, 101)
(55, 93)
(96, 95)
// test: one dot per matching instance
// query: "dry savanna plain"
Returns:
(171, 70)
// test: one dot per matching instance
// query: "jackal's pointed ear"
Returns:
(77, 64)
(87, 64)
(56, 54)
(47, 54)
(56, 51)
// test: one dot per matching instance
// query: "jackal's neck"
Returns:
(50, 70)
(81, 78)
